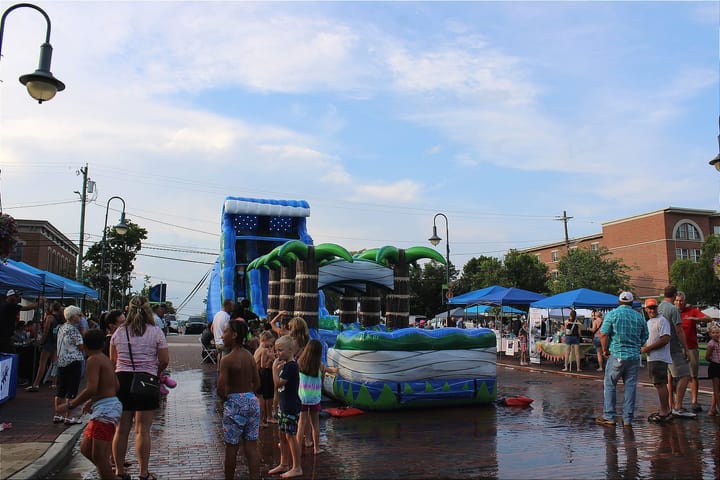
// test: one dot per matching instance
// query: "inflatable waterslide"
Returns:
(268, 257)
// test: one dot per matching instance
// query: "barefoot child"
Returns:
(101, 386)
(312, 371)
(237, 382)
(264, 357)
(287, 380)
(712, 355)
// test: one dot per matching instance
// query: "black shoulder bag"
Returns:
(143, 384)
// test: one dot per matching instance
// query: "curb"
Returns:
(56, 454)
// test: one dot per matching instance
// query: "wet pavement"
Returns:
(556, 438)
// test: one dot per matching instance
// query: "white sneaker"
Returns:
(682, 413)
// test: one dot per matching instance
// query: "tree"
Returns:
(426, 288)
(525, 271)
(593, 269)
(698, 280)
(120, 253)
(481, 272)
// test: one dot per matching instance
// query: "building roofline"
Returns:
(49, 226)
(691, 211)
(572, 241)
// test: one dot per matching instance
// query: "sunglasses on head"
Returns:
(651, 307)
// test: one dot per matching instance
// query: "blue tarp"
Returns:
(580, 298)
(15, 278)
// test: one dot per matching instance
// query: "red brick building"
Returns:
(45, 247)
(650, 242)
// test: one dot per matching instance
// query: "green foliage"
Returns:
(120, 253)
(426, 283)
(481, 272)
(521, 270)
(596, 270)
(698, 280)
(525, 271)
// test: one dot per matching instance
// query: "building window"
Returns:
(681, 254)
(595, 246)
(716, 230)
(555, 274)
(554, 256)
(687, 231)
(695, 255)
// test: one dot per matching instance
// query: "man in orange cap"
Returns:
(657, 349)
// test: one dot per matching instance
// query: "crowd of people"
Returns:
(269, 373)
(108, 354)
(669, 339)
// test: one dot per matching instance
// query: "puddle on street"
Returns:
(554, 438)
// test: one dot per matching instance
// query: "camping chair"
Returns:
(209, 352)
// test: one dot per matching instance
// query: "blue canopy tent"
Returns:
(57, 286)
(485, 309)
(51, 287)
(470, 298)
(15, 278)
(580, 298)
(509, 296)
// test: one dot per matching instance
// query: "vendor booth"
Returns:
(548, 315)
(501, 297)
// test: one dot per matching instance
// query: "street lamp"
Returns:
(434, 240)
(41, 85)
(121, 229)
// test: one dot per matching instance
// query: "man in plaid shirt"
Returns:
(622, 335)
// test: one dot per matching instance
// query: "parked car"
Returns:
(171, 323)
(195, 325)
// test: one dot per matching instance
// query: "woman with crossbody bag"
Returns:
(572, 340)
(137, 346)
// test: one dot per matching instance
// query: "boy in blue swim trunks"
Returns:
(101, 386)
(287, 380)
(238, 379)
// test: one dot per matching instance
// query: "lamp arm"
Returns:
(21, 5)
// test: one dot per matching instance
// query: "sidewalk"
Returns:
(35, 447)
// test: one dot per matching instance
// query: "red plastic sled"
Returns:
(344, 412)
(519, 401)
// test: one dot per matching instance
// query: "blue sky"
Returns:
(499, 114)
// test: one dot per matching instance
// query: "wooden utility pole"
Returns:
(565, 219)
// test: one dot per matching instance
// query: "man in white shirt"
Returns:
(657, 349)
(159, 322)
(221, 319)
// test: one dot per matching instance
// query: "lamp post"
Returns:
(434, 240)
(41, 85)
(121, 229)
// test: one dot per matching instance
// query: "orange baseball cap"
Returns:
(650, 302)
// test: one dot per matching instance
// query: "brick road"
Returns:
(557, 438)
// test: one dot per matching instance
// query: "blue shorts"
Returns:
(241, 418)
(596, 342)
(572, 340)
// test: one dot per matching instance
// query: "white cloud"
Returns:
(402, 191)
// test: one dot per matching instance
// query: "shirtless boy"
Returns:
(238, 379)
(101, 386)
(264, 357)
